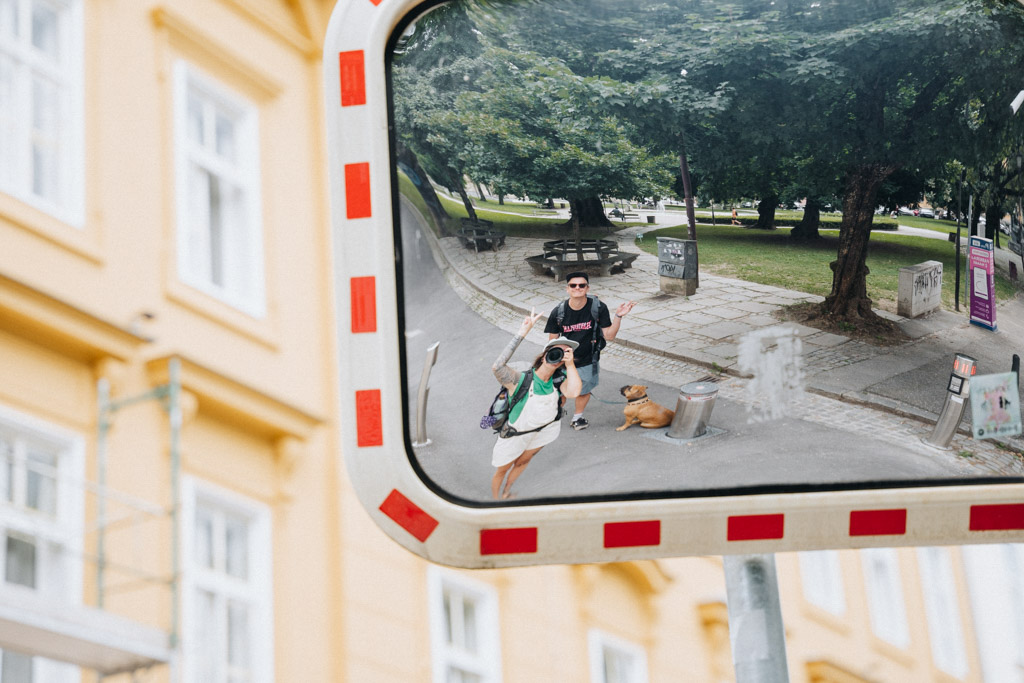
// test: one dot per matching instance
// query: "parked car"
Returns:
(925, 212)
(906, 211)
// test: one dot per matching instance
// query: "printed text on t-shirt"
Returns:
(578, 326)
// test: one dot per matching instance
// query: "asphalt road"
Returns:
(600, 461)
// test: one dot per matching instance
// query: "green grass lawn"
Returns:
(767, 257)
(771, 258)
(526, 226)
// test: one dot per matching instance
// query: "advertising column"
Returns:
(981, 261)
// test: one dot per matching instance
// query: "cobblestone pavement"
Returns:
(672, 340)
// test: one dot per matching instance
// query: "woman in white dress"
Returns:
(536, 420)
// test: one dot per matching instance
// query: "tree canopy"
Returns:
(863, 102)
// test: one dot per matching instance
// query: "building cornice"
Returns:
(46, 320)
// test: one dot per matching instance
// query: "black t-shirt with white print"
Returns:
(578, 326)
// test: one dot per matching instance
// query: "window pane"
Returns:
(238, 636)
(17, 668)
(20, 567)
(225, 137)
(216, 213)
(206, 646)
(456, 675)
(44, 138)
(41, 483)
(44, 30)
(448, 632)
(469, 626)
(196, 129)
(617, 666)
(8, 17)
(236, 533)
(7, 469)
(204, 539)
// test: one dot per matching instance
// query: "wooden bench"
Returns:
(623, 215)
(480, 234)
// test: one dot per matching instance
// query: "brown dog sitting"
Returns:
(642, 410)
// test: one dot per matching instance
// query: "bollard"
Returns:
(421, 397)
(958, 390)
(693, 410)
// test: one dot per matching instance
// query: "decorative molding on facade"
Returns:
(194, 40)
(43, 319)
(295, 34)
(826, 672)
(236, 403)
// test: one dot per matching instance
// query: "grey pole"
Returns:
(421, 396)
(755, 619)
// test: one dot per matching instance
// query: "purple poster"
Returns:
(981, 264)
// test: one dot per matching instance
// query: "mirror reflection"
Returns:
(776, 245)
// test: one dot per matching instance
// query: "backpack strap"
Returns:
(520, 392)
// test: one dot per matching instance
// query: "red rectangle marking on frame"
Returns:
(352, 73)
(632, 534)
(408, 515)
(508, 541)
(878, 522)
(369, 430)
(997, 517)
(755, 527)
(364, 304)
(357, 190)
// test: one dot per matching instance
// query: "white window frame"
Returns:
(58, 538)
(241, 266)
(256, 590)
(884, 587)
(821, 576)
(599, 642)
(942, 610)
(486, 662)
(68, 204)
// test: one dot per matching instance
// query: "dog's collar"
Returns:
(637, 400)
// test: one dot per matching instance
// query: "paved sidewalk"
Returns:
(679, 339)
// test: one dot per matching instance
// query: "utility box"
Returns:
(677, 265)
(919, 289)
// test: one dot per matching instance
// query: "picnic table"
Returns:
(560, 257)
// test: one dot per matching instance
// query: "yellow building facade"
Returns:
(173, 505)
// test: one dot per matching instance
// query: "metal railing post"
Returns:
(422, 395)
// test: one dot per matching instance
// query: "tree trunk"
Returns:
(807, 228)
(849, 297)
(993, 214)
(577, 235)
(411, 167)
(766, 213)
(549, 204)
(501, 199)
(589, 211)
(467, 202)
(691, 216)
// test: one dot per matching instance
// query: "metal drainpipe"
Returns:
(174, 416)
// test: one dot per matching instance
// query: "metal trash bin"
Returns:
(693, 410)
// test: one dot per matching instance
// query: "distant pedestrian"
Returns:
(535, 421)
(585, 319)
(735, 217)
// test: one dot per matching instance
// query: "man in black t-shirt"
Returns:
(579, 323)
